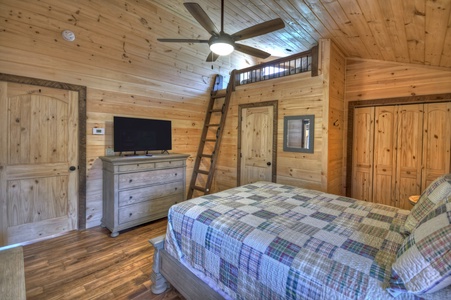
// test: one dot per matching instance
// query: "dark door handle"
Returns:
(72, 168)
(268, 163)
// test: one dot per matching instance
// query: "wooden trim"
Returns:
(274, 104)
(81, 132)
(380, 102)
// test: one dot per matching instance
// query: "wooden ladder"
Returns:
(210, 141)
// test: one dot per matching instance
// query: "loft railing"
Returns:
(298, 63)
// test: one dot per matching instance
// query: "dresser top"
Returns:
(118, 160)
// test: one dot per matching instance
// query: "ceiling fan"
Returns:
(222, 43)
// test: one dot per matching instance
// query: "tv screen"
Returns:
(134, 134)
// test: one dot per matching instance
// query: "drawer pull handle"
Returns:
(131, 197)
(175, 189)
(175, 174)
(130, 214)
(130, 180)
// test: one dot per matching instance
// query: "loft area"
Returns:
(306, 61)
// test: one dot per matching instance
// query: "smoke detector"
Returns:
(68, 35)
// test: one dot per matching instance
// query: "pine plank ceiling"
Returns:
(405, 31)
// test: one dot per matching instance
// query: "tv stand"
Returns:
(140, 189)
(164, 151)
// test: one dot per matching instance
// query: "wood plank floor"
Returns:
(89, 264)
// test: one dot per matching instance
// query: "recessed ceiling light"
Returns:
(68, 35)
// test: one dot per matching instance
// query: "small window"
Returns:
(298, 133)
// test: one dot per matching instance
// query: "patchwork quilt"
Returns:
(271, 241)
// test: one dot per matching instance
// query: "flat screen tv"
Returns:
(135, 134)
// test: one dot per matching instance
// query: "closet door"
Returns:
(436, 141)
(409, 153)
(385, 133)
(362, 154)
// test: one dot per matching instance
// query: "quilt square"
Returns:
(300, 285)
(320, 247)
(228, 275)
(208, 216)
(282, 250)
(249, 261)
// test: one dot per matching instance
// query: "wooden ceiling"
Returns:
(405, 31)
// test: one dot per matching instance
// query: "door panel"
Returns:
(384, 155)
(362, 154)
(409, 153)
(436, 140)
(39, 193)
(256, 144)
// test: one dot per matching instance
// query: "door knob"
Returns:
(268, 163)
(72, 168)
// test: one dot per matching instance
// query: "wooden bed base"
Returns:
(167, 269)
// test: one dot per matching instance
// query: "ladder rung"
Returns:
(210, 140)
(219, 94)
(203, 172)
(199, 188)
(216, 110)
(206, 155)
(212, 125)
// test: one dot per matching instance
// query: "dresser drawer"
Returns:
(149, 210)
(169, 164)
(136, 167)
(132, 180)
(138, 195)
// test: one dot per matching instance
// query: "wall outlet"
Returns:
(109, 151)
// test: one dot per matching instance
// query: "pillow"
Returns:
(423, 263)
(439, 189)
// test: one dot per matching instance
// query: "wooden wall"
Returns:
(298, 94)
(116, 56)
(375, 79)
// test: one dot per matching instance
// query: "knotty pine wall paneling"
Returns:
(117, 57)
(298, 94)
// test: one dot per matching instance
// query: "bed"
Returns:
(272, 241)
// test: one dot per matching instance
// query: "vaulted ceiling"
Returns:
(406, 31)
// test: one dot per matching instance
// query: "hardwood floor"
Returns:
(90, 264)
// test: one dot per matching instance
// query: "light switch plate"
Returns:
(96, 130)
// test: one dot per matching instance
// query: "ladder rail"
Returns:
(219, 133)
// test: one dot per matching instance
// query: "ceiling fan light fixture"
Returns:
(221, 48)
(221, 45)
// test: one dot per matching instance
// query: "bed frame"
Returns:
(167, 270)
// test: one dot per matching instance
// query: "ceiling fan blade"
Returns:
(182, 41)
(201, 16)
(259, 29)
(252, 51)
(212, 57)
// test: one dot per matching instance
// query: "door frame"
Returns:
(434, 98)
(274, 105)
(81, 132)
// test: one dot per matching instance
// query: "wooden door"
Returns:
(362, 154)
(38, 162)
(409, 151)
(256, 144)
(385, 132)
(436, 141)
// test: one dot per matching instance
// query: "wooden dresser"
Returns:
(139, 189)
